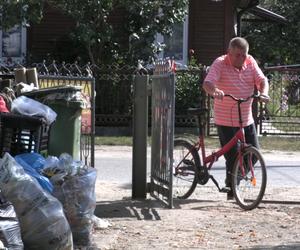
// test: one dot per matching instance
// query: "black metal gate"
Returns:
(281, 116)
(162, 132)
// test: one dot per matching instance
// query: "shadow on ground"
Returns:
(291, 246)
(140, 210)
(147, 209)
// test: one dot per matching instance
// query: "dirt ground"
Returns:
(204, 221)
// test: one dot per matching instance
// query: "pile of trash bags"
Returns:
(50, 202)
(45, 203)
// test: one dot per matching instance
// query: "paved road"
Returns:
(114, 164)
(136, 223)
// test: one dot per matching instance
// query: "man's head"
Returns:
(238, 51)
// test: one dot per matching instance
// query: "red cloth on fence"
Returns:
(3, 107)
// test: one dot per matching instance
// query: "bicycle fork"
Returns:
(245, 166)
(243, 173)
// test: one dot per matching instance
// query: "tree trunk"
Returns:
(91, 56)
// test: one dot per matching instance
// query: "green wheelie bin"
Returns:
(66, 130)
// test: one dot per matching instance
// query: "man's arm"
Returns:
(264, 87)
(211, 89)
(264, 90)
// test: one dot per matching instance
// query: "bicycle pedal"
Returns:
(225, 190)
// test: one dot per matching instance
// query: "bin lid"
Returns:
(39, 93)
(60, 95)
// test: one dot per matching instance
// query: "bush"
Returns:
(189, 91)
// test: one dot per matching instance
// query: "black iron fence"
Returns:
(282, 115)
(113, 95)
(113, 86)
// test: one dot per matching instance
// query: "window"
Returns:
(13, 45)
(177, 44)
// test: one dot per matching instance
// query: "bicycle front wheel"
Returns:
(249, 187)
(185, 164)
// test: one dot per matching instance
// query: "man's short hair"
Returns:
(239, 42)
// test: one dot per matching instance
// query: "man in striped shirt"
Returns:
(235, 73)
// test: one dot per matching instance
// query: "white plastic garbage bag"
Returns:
(10, 233)
(74, 187)
(27, 106)
(42, 220)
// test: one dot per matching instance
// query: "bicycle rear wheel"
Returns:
(249, 189)
(185, 164)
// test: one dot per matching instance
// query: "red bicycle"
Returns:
(249, 174)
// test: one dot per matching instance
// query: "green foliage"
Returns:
(273, 43)
(16, 12)
(187, 91)
(104, 41)
(145, 20)
(188, 87)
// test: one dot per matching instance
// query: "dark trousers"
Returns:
(225, 135)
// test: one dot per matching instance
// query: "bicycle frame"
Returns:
(239, 137)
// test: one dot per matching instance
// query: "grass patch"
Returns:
(266, 142)
(280, 143)
(114, 140)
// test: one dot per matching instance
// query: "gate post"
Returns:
(140, 132)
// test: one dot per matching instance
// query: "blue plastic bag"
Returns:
(34, 160)
(32, 163)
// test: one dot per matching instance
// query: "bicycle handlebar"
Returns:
(242, 99)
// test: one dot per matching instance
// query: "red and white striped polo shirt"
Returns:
(239, 83)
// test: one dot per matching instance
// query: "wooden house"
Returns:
(212, 23)
(209, 26)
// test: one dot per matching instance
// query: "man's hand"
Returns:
(218, 94)
(212, 90)
(264, 98)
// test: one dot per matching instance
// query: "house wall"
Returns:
(211, 26)
(50, 34)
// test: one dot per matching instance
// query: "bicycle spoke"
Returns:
(184, 167)
(249, 179)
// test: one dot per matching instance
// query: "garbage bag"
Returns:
(41, 217)
(59, 168)
(32, 164)
(27, 106)
(10, 233)
(35, 160)
(77, 194)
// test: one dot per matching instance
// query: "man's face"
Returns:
(237, 57)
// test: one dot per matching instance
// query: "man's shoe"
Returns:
(228, 191)
(230, 195)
